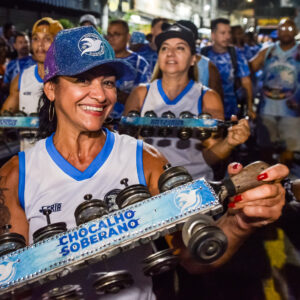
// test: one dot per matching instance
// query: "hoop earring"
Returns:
(51, 112)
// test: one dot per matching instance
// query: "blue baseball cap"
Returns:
(77, 50)
(137, 38)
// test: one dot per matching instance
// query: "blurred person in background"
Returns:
(23, 60)
(149, 51)
(238, 40)
(208, 74)
(279, 108)
(88, 20)
(8, 34)
(3, 63)
(250, 39)
(26, 88)
(118, 36)
(233, 68)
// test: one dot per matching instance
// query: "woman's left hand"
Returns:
(239, 133)
(261, 205)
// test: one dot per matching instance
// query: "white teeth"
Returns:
(92, 108)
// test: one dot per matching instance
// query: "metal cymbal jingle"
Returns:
(173, 177)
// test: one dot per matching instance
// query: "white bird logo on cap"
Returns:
(91, 44)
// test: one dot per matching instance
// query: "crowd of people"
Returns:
(76, 79)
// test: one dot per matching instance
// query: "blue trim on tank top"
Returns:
(95, 165)
(19, 82)
(37, 75)
(21, 187)
(200, 101)
(179, 97)
(139, 162)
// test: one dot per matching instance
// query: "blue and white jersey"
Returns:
(203, 70)
(179, 152)
(281, 82)
(246, 51)
(30, 89)
(47, 180)
(149, 54)
(254, 49)
(143, 75)
(224, 64)
(16, 66)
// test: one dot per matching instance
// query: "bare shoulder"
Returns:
(213, 105)
(153, 162)
(136, 99)
(9, 174)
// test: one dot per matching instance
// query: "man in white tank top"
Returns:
(78, 157)
(27, 87)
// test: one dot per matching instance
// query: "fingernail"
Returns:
(262, 176)
(237, 198)
(235, 166)
(231, 205)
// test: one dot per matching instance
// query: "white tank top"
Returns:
(30, 89)
(47, 180)
(179, 152)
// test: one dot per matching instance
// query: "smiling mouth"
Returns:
(91, 108)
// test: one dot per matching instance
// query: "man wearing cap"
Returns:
(25, 89)
(88, 20)
(279, 109)
(118, 37)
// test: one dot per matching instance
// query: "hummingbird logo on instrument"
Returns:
(7, 271)
(186, 200)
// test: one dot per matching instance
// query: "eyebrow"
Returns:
(183, 43)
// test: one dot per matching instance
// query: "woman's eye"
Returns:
(180, 48)
(81, 80)
(163, 48)
(109, 83)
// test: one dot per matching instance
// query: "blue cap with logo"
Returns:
(77, 50)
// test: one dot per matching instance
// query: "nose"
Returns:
(170, 51)
(96, 90)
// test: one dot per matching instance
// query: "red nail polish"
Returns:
(237, 198)
(231, 205)
(235, 166)
(262, 176)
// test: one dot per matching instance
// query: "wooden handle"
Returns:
(243, 181)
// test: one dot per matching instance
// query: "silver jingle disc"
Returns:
(113, 282)
(48, 231)
(173, 177)
(65, 292)
(10, 242)
(160, 262)
(194, 223)
(208, 244)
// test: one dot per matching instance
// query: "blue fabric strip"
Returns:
(21, 188)
(200, 101)
(139, 162)
(179, 97)
(95, 165)
(19, 82)
(37, 75)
